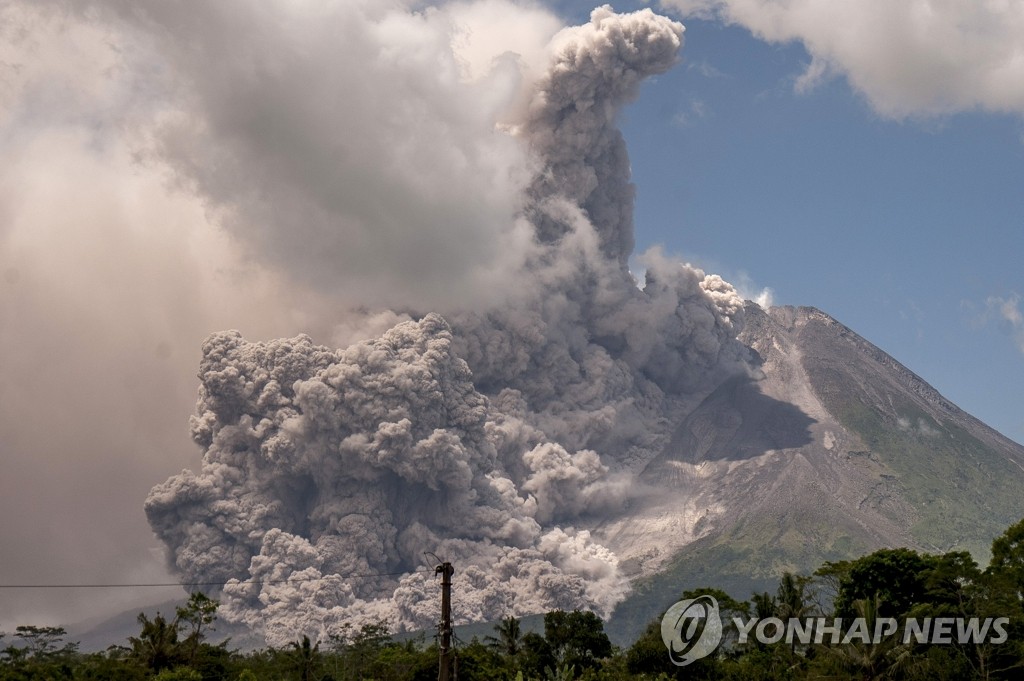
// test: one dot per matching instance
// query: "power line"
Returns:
(291, 580)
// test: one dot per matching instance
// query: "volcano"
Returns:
(830, 449)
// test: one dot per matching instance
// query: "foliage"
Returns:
(1008, 556)
(897, 576)
(509, 638)
(577, 639)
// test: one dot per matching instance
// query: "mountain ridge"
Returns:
(830, 449)
(914, 381)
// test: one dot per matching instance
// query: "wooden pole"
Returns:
(445, 667)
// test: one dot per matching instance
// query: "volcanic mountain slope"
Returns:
(830, 450)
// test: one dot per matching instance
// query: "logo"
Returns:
(691, 629)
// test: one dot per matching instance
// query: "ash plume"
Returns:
(492, 435)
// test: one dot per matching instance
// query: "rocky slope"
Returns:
(830, 450)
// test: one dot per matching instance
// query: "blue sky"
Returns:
(908, 230)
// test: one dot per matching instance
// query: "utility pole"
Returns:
(445, 668)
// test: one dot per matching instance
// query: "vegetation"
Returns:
(888, 585)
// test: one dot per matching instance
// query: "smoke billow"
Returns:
(491, 435)
(325, 464)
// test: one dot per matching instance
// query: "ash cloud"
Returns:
(493, 435)
(322, 465)
(328, 141)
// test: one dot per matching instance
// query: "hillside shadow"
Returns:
(736, 422)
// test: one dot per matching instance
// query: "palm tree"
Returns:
(156, 646)
(871, 660)
(764, 605)
(307, 658)
(509, 636)
(791, 601)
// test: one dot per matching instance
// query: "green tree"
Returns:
(476, 661)
(866, 659)
(563, 672)
(999, 592)
(509, 636)
(160, 646)
(897, 576)
(829, 579)
(40, 653)
(43, 642)
(403, 662)
(765, 605)
(113, 664)
(792, 599)
(951, 581)
(648, 655)
(198, 613)
(356, 652)
(156, 647)
(306, 659)
(577, 638)
(179, 674)
(1008, 556)
(535, 655)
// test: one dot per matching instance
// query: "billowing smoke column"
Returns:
(589, 352)
(489, 438)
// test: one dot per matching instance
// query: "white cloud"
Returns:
(705, 69)
(1009, 309)
(746, 287)
(923, 58)
(489, 31)
(816, 73)
(696, 110)
(355, 147)
(1008, 313)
